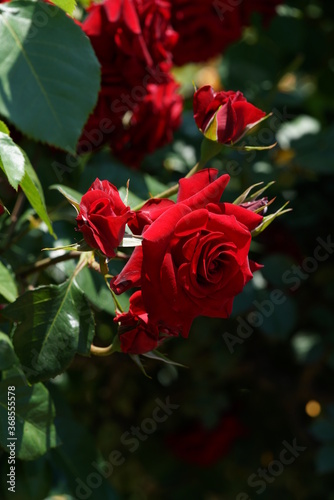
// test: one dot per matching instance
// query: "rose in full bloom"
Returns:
(224, 117)
(102, 217)
(194, 255)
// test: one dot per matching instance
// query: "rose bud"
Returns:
(256, 205)
(136, 333)
(103, 217)
(224, 117)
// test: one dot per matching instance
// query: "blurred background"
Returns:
(258, 383)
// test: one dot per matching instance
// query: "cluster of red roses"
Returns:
(137, 42)
(192, 261)
(138, 107)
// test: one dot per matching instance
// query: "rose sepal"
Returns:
(268, 219)
(244, 198)
(161, 357)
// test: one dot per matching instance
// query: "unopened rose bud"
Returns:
(255, 205)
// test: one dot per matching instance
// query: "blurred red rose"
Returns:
(151, 124)
(224, 116)
(206, 29)
(204, 447)
(194, 255)
(203, 32)
(102, 217)
(138, 29)
(133, 40)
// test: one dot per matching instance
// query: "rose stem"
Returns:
(44, 263)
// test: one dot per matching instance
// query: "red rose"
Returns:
(131, 28)
(194, 255)
(151, 124)
(224, 116)
(102, 217)
(204, 30)
(204, 447)
(150, 211)
(2, 210)
(137, 334)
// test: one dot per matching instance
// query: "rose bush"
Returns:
(224, 117)
(194, 255)
(103, 217)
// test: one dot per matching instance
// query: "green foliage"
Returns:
(61, 326)
(4, 128)
(8, 288)
(36, 56)
(34, 192)
(11, 160)
(34, 409)
(67, 5)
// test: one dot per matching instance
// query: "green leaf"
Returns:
(67, 5)
(11, 157)
(54, 323)
(7, 355)
(34, 410)
(34, 192)
(4, 128)
(72, 196)
(8, 288)
(49, 73)
(34, 416)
